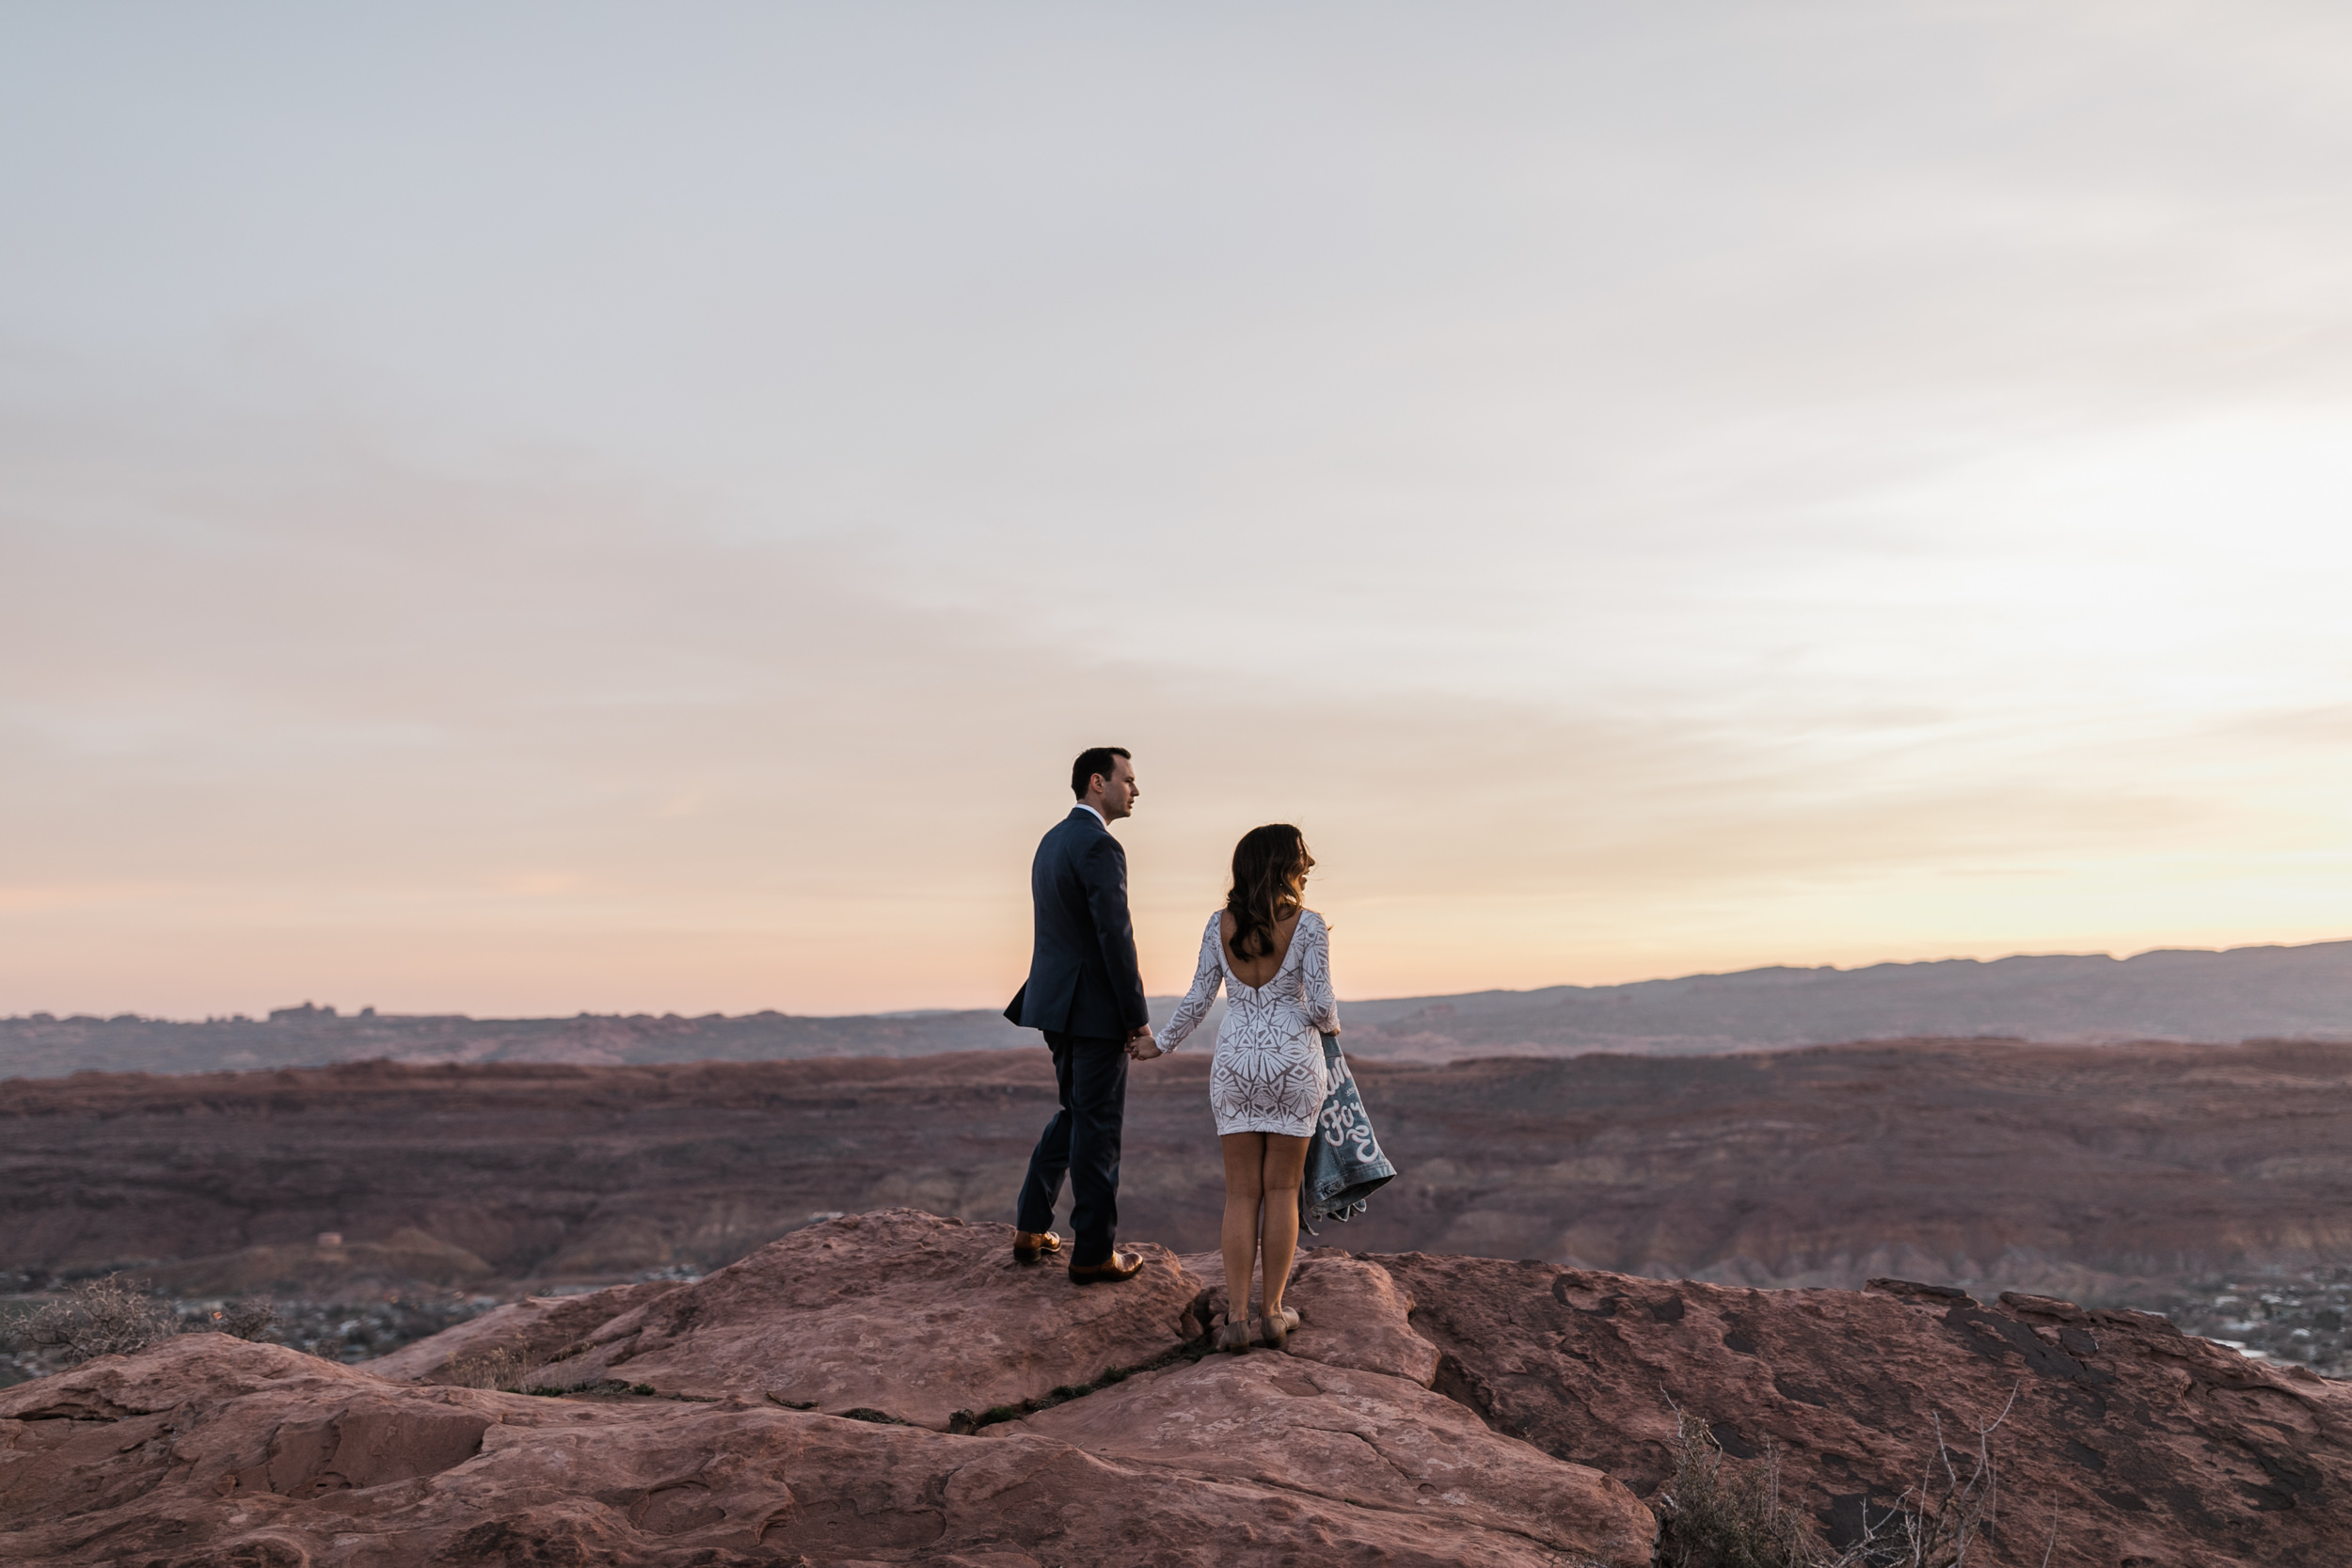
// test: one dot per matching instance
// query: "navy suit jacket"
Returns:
(1083, 976)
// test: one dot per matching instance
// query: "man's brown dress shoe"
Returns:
(1118, 1266)
(1028, 1248)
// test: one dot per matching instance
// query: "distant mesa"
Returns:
(2295, 994)
(2117, 1177)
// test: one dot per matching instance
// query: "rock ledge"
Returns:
(891, 1388)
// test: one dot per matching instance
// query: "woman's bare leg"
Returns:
(1245, 1163)
(1285, 1166)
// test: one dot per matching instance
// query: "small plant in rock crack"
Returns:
(1718, 1515)
(102, 1317)
(1948, 1519)
(503, 1369)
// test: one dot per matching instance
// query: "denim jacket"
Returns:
(1344, 1162)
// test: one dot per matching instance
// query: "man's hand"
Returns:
(1142, 1047)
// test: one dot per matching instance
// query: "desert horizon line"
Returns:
(308, 1009)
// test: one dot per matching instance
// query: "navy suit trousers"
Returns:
(1083, 1141)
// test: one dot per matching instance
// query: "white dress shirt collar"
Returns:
(1098, 816)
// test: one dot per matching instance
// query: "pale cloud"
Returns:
(1645, 492)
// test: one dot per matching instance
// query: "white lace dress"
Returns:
(1269, 1074)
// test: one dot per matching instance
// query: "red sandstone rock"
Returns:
(1358, 1438)
(1549, 1418)
(1351, 1313)
(530, 1331)
(2144, 1447)
(900, 1312)
(208, 1452)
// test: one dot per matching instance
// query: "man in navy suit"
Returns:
(1086, 991)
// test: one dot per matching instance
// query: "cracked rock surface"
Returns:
(1333, 1435)
(1437, 1411)
(211, 1452)
(896, 1311)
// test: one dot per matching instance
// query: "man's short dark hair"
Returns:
(1093, 760)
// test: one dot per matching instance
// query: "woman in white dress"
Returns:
(1273, 957)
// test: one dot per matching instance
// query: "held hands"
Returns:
(1141, 1047)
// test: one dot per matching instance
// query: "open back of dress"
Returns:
(1268, 1075)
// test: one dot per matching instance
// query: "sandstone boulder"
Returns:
(1357, 1439)
(527, 1333)
(209, 1453)
(2139, 1445)
(1351, 1313)
(897, 1313)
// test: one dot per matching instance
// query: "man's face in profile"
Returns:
(1120, 792)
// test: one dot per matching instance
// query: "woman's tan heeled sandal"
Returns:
(1234, 1336)
(1278, 1326)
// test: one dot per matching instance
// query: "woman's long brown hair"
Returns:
(1269, 883)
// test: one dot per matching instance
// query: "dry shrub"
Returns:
(102, 1317)
(1947, 1520)
(503, 1369)
(1718, 1513)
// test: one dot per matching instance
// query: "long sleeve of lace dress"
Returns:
(1316, 996)
(1205, 981)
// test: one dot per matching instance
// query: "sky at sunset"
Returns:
(531, 508)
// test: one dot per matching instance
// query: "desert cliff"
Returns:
(893, 1389)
